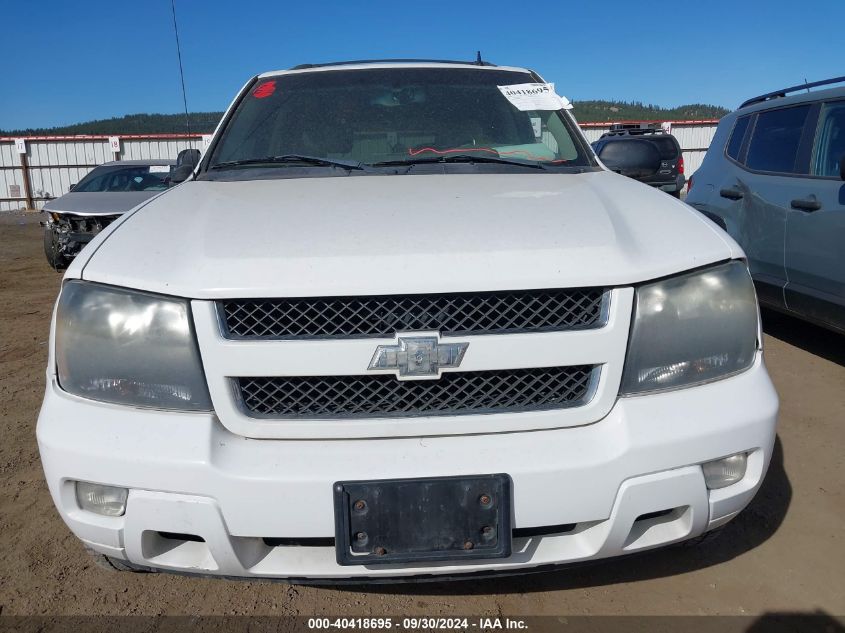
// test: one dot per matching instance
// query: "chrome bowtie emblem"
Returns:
(418, 356)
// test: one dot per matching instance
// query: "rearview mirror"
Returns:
(181, 174)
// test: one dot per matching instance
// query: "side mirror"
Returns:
(188, 157)
(181, 174)
(72, 187)
(842, 167)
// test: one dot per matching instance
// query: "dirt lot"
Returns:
(785, 553)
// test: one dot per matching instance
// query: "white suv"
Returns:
(401, 322)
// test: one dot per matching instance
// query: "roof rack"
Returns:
(785, 91)
(634, 129)
(476, 62)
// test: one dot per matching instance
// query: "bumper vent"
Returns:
(383, 316)
(455, 393)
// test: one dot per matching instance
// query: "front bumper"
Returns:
(188, 475)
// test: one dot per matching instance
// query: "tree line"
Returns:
(201, 122)
(205, 122)
(596, 111)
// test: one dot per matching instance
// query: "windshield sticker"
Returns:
(534, 97)
(537, 124)
(265, 90)
(159, 169)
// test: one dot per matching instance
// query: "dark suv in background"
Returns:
(774, 178)
(645, 152)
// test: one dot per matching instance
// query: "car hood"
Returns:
(99, 202)
(358, 235)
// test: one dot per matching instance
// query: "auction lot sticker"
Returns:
(536, 96)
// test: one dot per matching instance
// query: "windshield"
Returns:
(125, 178)
(393, 115)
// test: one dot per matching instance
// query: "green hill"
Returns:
(590, 111)
(201, 122)
(205, 122)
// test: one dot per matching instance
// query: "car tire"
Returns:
(113, 564)
(56, 260)
(703, 539)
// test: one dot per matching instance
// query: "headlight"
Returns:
(129, 348)
(691, 329)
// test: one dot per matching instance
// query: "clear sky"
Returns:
(71, 61)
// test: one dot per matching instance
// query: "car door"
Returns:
(815, 229)
(755, 197)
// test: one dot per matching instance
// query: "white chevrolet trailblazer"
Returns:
(400, 321)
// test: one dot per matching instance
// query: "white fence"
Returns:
(38, 168)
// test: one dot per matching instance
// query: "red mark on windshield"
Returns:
(517, 153)
(265, 89)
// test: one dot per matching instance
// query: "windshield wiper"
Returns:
(286, 159)
(457, 158)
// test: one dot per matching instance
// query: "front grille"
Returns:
(88, 224)
(455, 393)
(383, 316)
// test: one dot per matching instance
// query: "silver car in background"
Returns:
(106, 193)
(774, 178)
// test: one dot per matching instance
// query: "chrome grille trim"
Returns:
(380, 395)
(456, 314)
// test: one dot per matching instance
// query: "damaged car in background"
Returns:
(105, 194)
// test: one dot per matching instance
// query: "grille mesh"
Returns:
(383, 316)
(455, 393)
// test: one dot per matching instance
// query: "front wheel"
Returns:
(703, 539)
(55, 258)
(112, 564)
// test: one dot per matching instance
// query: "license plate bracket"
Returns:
(427, 519)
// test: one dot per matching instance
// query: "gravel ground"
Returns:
(785, 553)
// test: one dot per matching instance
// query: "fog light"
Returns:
(723, 472)
(105, 500)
